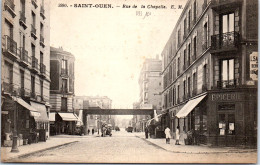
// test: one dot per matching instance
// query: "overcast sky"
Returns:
(110, 45)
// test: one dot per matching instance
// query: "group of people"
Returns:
(167, 132)
(92, 131)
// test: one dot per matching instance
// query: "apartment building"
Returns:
(63, 118)
(150, 85)
(209, 72)
(25, 67)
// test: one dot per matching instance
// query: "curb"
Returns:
(36, 152)
(215, 152)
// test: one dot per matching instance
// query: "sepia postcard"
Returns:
(129, 81)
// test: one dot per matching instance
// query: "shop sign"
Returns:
(226, 97)
(254, 66)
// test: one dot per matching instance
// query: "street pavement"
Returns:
(125, 147)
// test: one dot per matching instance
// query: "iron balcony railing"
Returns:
(22, 16)
(227, 83)
(11, 45)
(194, 57)
(178, 72)
(184, 66)
(22, 92)
(42, 39)
(204, 5)
(64, 72)
(24, 55)
(204, 88)
(10, 3)
(33, 29)
(194, 92)
(224, 40)
(205, 45)
(42, 12)
(8, 87)
(42, 68)
(34, 2)
(34, 62)
(33, 94)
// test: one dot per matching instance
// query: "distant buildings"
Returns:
(209, 72)
(96, 102)
(25, 67)
(150, 85)
(63, 118)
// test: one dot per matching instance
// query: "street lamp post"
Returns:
(14, 145)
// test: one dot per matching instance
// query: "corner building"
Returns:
(210, 72)
(63, 119)
(25, 67)
(150, 86)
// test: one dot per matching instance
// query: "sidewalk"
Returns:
(52, 142)
(194, 149)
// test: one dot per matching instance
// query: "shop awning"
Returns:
(42, 109)
(24, 104)
(52, 116)
(189, 106)
(68, 116)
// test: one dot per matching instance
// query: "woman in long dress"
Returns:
(177, 136)
(167, 132)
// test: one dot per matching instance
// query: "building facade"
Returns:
(150, 85)
(62, 91)
(25, 67)
(209, 72)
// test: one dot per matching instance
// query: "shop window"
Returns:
(197, 119)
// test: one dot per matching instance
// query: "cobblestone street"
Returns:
(125, 147)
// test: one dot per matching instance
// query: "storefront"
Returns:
(63, 123)
(192, 118)
(232, 117)
(42, 121)
(25, 120)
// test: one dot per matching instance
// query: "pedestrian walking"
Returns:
(92, 131)
(177, 136)
(146, 132)
(88, 131)
(167, 132)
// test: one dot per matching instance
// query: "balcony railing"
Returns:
(34, 2)
(42, 12)
(194, 21)
(204, 88)
(194, 92)
(8, 87)
(33, 95)
(227, 83)
(225, 41)
(204, 6)
(10, 6)
(184, 66)
(42, 68)
(64, 72)
(11, 45)
(24, 55)
(178, 72)
(10, 3)
(205, 46)
(33, 30)
(34, 63)
(42, 40)
(194, 57)
(22, 17)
